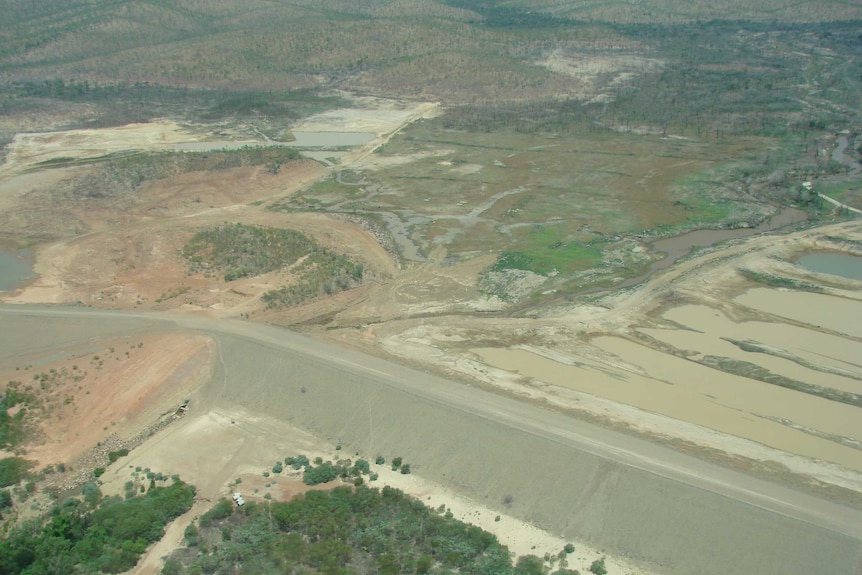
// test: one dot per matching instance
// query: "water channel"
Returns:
(677, 247)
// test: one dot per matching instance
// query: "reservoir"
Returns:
(301, 140)
(844, 265)
(16, 269)
(329, 139)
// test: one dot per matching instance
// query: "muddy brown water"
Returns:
(680, 246)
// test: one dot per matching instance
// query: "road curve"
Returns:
(605, 443)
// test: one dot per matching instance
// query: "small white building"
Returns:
(237, 498)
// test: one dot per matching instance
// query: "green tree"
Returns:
(13, 470)
(5, 499)
(598, 567)
(529, 565)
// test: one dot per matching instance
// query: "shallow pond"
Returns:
(329, 139)
(301, 140)
(16, 269)
(844, 265)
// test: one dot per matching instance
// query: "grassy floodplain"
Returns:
(548, 203)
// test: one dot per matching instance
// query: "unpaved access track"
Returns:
(622, 494)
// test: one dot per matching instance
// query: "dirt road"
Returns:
(340, 382)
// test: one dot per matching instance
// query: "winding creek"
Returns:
(678, 247)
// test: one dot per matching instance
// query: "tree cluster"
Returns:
(347, 530)
(241, 250)
(93, 536)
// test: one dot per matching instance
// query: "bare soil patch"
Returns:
(116, 387)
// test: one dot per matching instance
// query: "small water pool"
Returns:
(330, 139)
(16, 269)
(844, 265)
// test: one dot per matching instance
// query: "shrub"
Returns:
(529, 565)
(598, 567)
(322, 473)
(405, 469)
(569, 548)
(191, 534)
(277, 468)
(297, 462)
(362, 466)
(115, 455)
(5, 499)
(222, 509)
(379, 460)
(13, 470)
(98, 472)
(92, 495)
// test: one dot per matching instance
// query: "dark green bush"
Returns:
(13, 470)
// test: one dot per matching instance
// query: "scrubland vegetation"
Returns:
(345, 530)
(240, 250)
(117, 177)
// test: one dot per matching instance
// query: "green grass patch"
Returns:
(847, 192)
(546, 252)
